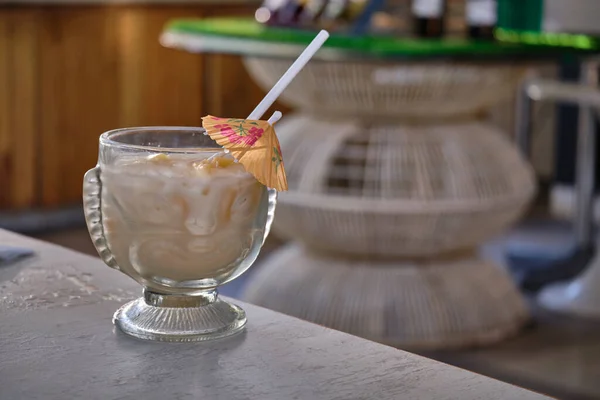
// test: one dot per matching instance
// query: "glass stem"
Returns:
(179, 300)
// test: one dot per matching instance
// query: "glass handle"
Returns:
(92, 207)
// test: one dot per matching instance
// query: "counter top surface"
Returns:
(57, 342)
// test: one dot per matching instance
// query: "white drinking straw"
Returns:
(289, 75)
(275, 117)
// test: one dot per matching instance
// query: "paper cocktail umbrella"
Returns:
(254, 144)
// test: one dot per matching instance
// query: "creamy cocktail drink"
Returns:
(173, 210)
(168, 207)
(181, 219)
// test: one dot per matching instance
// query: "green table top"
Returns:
(234, 35)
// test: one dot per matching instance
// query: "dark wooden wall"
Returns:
(69, 73)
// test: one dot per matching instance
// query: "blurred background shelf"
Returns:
(245, 36)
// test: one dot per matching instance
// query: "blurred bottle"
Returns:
(334, 12)
(313, 10)
(340, 14)
(280, 12)
(482, 16)
(429, 18)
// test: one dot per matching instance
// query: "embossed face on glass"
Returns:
(177, 212)
(171, 209)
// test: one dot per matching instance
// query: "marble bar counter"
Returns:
(57, 342)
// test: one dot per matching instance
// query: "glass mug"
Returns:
(167, 207)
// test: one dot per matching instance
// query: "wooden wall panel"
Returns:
(79, 96)
(18, 106)
(103, 68)
(69, 73)
(5, 109)
(229, 90)
(25, 121)
(159, 86)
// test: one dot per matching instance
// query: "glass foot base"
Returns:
(176, 318)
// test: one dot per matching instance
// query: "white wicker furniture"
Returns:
(382, 89)
(394, 182)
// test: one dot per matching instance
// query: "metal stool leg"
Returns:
(581, 296)
(588, 97)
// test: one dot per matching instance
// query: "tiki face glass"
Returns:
(169, 208)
